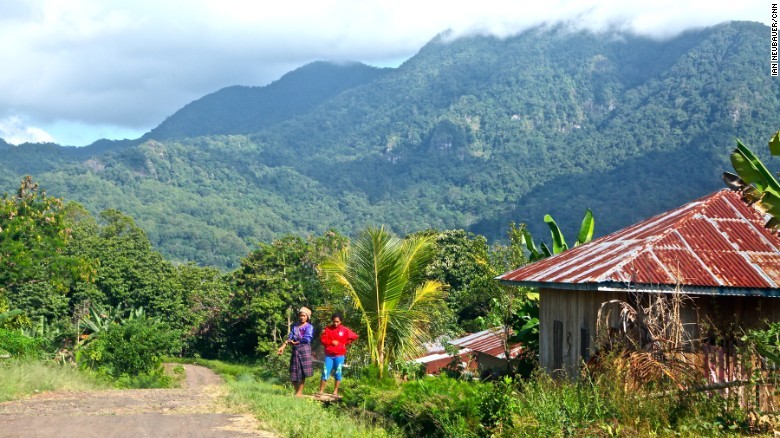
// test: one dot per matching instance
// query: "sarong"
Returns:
(300, 362)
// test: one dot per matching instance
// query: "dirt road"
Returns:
(192, 411)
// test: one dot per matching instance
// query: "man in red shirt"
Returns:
(335, 339)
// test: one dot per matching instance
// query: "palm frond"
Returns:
(382, 274)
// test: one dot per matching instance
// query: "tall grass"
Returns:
(289, 416)
(19, 378)
(277, 410)
(602, 404)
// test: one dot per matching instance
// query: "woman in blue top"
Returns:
(300, 360)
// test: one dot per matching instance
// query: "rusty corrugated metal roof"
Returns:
(489, 341)
(715, 245)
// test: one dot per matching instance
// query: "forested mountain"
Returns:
(471, 133)
(244, 110)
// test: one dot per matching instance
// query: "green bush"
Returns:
(498, 408)
(438, 407)
(132, 349)
(275, 369)
(18, 345)
(369, 394)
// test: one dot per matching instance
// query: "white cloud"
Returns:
(16, 131)
(131, 64)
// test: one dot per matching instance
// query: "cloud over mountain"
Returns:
(86, 64)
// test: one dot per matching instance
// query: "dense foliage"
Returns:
(135, 347)
(35, 271)
(272, 283)
(542, 406)
(113, 273)
(468, 134)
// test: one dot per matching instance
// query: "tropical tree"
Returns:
(384, 277)
(515, 309)
(35, 273)
(273, 281)
(461, 262)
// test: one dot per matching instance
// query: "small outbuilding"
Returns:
(481, 352)
(716, 251)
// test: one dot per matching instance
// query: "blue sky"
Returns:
(79, 70)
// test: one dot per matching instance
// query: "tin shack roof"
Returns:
(490, 342)
(716, 245)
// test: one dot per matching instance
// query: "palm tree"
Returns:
(383, 277)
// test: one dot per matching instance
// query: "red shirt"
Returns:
(343, 335)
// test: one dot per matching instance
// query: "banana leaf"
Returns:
(586, 229)
(750, 168)
(529, 243)
(774, 144)
(773, 223)
(770, 203)
(9, 314)
(559, 243)
(746, 170)
(545, 251)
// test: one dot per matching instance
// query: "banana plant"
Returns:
(755, 181)
(42, 330)
(558, 241)
(100, 318)
(12, 319)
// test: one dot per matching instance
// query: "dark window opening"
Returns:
(557, 345)
(584, 344)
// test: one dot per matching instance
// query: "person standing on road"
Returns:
(335, 339)
(300, 360)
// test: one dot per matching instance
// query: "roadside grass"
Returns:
(277, 410)
(602, 404)
(19, 378)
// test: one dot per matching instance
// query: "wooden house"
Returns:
(715, 251)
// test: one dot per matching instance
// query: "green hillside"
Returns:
(471, 133)
(244, 110)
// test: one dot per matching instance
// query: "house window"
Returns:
(584, 344)
(557, 345)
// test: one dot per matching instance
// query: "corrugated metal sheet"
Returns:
(489, 342)
(716, 245)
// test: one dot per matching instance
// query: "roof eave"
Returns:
(650, 288)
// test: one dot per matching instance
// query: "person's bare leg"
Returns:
(322, 386)
(302, 383)
(336, 389)
(299, 387)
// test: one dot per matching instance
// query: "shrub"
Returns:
(498, 407)
(133, 348)
(438, 406)
(18, 345)
(370, 394)
(275, 368)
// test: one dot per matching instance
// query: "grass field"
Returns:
(21, 378)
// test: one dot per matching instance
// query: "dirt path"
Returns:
(193, 411)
